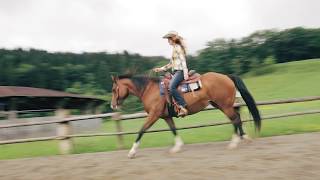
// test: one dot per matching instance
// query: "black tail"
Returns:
(248, 99)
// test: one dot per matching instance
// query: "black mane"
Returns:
(140, 81)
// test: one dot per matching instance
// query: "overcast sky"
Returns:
(138, 25)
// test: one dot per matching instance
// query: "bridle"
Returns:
(117, 96)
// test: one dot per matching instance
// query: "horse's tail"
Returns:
(247, 97)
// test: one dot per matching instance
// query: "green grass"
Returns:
(31, 149)
(289, 80)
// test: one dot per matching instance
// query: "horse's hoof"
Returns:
(175, 150)
(232, 146)
(234, 142)
(132, 155)
(247, 139)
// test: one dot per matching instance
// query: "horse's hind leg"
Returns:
(234, 115)
(238, 126)
(237, 123)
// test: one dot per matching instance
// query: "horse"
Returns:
(219, 90)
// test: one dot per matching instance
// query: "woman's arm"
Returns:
(166, 67)
(163, 68)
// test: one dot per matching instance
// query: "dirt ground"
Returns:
(281, 157)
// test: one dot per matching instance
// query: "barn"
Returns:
(16, 102)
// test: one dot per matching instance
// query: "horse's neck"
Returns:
(146, 94)
(132, 88)
(140, 93)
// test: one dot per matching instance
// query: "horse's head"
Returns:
(119, 92)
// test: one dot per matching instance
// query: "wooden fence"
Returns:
(64, 134)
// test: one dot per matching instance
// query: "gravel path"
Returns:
(279, 157)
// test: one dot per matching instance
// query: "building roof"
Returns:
(16, 91)
(37, 98)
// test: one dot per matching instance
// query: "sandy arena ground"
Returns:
(282, 157)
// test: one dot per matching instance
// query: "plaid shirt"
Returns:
(178, 59)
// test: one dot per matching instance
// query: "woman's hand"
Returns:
(157, 69)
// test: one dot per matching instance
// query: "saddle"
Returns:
(192, 84)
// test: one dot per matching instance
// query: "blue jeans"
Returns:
(175, 81)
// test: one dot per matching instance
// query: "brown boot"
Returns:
(182, 111)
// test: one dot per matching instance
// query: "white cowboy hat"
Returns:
(171, 34)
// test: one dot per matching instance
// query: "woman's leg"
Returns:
(175, 81)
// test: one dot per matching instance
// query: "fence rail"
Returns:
(143, 114)
(64, 135)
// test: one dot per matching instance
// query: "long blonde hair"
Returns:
(180, 41)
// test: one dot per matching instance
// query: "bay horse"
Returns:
(219, 90)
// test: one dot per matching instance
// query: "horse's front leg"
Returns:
(178, 141)
(151, 119)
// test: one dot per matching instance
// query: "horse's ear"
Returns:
(114, 79)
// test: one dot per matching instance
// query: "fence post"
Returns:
(64, 129)
(117, 119)
(12, 115)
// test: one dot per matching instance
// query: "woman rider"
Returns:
(179, 68)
